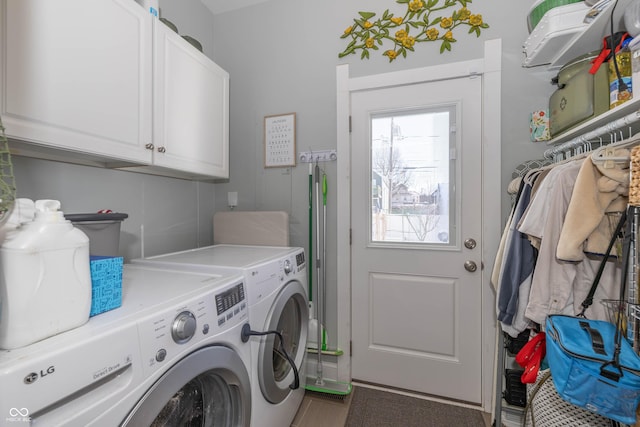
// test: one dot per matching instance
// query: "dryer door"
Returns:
(289, 315)
(210, 387)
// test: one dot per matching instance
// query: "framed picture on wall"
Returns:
(280, 140)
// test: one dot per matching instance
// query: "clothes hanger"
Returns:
(609, 155)
(561, 157)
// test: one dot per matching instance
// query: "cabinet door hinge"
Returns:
(350, 236)
(349, 124)
(351, 348)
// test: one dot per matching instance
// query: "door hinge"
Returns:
(350, 236)
(351, 348)
(349, 124)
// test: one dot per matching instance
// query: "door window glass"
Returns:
(413, 177)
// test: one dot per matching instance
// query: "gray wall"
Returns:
(171, 214)
(281, 56)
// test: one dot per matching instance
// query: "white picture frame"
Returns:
(280, 140)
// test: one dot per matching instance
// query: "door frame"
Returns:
(489, 68)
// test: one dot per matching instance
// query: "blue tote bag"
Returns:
(592, 365)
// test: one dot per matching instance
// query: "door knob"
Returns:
(470, 243)
(470, 266)
(148, 146)
(161, 149)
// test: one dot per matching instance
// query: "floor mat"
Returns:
(376, 408)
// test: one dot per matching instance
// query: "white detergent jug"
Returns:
(45, 282)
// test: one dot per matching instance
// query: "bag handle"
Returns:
(597, 343)
(626, 252)
(589, 299)
(612, 375)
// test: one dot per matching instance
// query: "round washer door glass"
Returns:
(207, 400)
(289, 315)
(210, 387)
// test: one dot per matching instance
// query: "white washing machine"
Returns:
(172, 354)
(276, 282)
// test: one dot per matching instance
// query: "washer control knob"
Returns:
(287, 266)
(161, 355)
(184, 327)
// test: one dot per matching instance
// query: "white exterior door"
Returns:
(416, 219)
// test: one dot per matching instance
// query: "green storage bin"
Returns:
(538, 10)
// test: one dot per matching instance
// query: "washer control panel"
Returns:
(229, 298)
(169, 334)
(231, 305)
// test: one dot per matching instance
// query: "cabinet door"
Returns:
(191, 104)
(77, 75)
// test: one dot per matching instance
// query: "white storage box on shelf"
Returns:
(556, 28)
(541, 7)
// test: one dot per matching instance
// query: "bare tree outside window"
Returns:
(410, 177)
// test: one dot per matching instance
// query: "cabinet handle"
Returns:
(161, 149)
(148, 146)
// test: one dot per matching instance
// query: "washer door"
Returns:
(289, 315)
(209, 387)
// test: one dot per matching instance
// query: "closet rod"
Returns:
(609, 128)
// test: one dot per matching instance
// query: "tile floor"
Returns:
(317, 410)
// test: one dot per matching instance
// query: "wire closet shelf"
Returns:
(609, 133)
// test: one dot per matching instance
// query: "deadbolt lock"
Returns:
(470, 243)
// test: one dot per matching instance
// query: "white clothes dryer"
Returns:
(172, 354)
(276, 282)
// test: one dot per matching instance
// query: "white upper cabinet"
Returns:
(77, 75)
(103, 82)
(191, 98)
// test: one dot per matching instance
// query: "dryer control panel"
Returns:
(294, 263)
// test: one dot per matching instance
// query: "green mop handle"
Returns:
(310, 270)
(324, 189)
